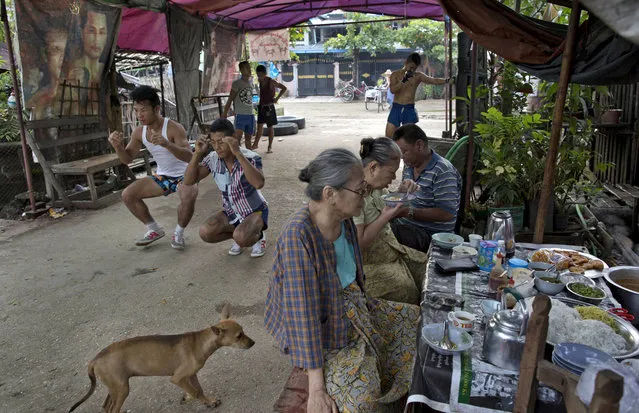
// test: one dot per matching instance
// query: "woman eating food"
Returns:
(393, 271)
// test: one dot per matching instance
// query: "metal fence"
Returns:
(13, 181)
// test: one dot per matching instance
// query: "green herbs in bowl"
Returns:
(551, 280)
(585, 292)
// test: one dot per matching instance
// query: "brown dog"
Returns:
(180, 356)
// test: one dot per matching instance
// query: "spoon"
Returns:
(445, 343)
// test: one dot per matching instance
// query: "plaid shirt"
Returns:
(239, 198)
(304, 306)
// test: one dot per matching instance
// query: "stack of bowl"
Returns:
(576, 357)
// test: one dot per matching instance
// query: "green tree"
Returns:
(427, 36)
(374, 37)
(296, 34)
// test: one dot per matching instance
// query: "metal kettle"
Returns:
(500, 227)
(505, 334)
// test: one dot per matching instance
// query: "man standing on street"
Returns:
(436, 184)
(403, 84)
(166, 141)
(238, 174)
(242, 98)
(266, 108)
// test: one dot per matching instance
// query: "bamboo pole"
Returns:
(18, 95)
(470, 145)
(555, 134)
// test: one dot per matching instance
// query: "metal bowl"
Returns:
(628, 298)
(591, 300)
(547, 287)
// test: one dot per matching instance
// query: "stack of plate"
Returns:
(576, 357)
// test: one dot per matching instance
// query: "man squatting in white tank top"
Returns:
(166, 140)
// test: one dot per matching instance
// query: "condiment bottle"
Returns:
(497, 274)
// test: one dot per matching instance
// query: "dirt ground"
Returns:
(70, 287)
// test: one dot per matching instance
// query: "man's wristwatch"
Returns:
(411, 212)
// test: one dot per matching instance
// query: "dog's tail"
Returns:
(91, 389)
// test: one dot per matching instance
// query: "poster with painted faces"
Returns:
(65, 49)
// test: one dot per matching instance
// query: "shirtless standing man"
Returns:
(166, 141)
(403, 84)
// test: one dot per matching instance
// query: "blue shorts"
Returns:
(245, 123)
(403, 114)
(168, 183)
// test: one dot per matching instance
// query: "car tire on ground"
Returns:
(301, 122)
(285, 128)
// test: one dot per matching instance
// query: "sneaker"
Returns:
(177, 243)
(259, 248)
(150, 237)
(235, 249)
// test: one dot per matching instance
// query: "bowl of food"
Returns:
(462, 251)
(624, 285)
(540, 266)
(586, 293)
(397, 198)
(434, 333)
(447, 240)
(548, 283)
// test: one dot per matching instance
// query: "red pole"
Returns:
(16, 88)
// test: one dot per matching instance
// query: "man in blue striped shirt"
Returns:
(435, 182)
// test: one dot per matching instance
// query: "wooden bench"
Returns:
(86, 167)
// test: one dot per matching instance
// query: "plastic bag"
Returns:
(586, 386)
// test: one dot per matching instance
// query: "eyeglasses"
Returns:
(363, 192)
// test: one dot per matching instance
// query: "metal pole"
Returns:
(555, 134)
(162, 88)
(470, 145)
(446, 75)
(16, 88)
(450, 70)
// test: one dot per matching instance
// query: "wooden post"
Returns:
(18, 95)
(470, 145)
(551, 158)
(162, 88)
(115, 109)
(533, 353)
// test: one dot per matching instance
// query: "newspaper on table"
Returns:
(466, 382)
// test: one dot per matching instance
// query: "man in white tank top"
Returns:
(166, 141)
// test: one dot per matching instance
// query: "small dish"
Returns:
(568, 277)
(462, 251)
(433, 334)
(447, 240)
(592, 300)
(548, 287)
(396, 198)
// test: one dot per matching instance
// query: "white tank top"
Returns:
(168, 164)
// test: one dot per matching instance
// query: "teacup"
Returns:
(462, 319)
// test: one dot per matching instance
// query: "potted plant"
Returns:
(511, 163)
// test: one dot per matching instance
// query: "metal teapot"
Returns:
(505, 334)
(500, 227)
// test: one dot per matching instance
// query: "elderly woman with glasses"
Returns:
(358, 351)
(393, 271)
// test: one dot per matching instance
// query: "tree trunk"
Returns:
(356, 67)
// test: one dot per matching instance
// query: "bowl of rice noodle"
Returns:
(573, 321)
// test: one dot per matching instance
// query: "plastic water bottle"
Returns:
(12, 101)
